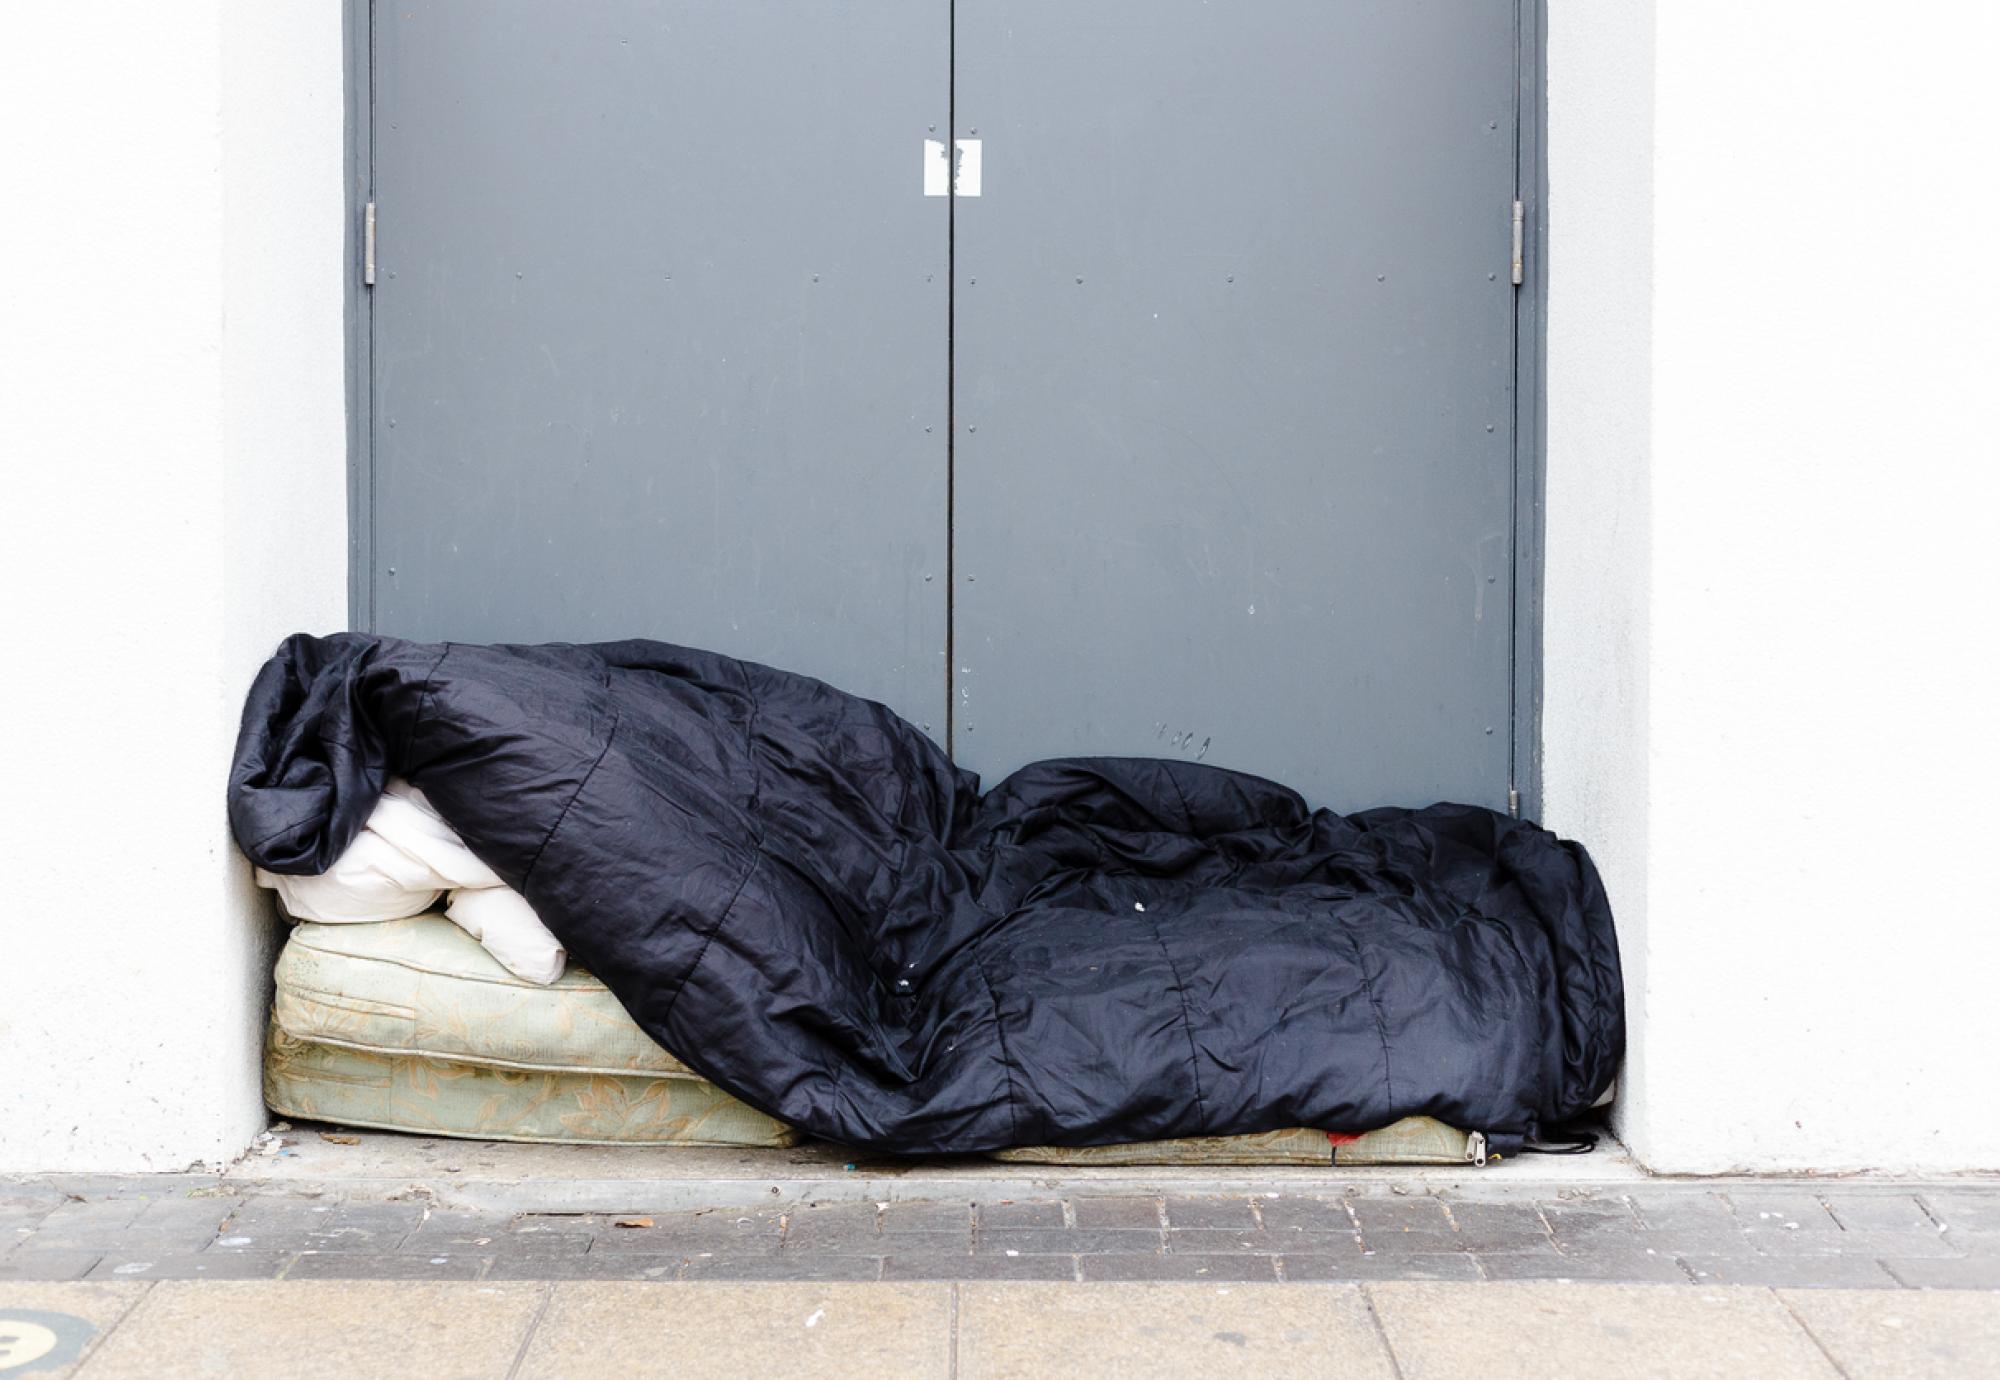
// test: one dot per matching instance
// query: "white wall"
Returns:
(172, 429)
(1769, 561)
(1598, 540)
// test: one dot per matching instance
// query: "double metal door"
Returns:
(1179, 422)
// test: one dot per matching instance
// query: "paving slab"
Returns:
(1452, 1265)
(1247, 1269)
(1225, 1213)
(100, 1238)
(1395, 1214)
(48, 1265)
(1133, 1214)
(539, 1231)
(1221, 1241)
(1887, 1336)
(1295, 1213)
(1415, 1243)
(388, 1265)
(19, 1220)
(1681, 1208)
(1707, 1242)
(711, 1235)
(979, 1267)
(198, 1265)
(1964, 1208)
(1490, 1226)
(1762, 1209)
(1008, 1213)
(835, 1224)
(1114, 1330)
(1870, 1243)
(1630, 1266)
(447, 1231)
(1971, 1272)
(1797, 1272)
(1634, 1331)
(83, 1214)
(827, 1331)
(929, 1218)
(48, 1330)
(1880, 1212)
(176, 1211)
(1074, 1241)
(1585, 1221)
(596, 1265)
(786, 1267)
(367, 1330)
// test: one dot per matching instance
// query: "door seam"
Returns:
(951, 388)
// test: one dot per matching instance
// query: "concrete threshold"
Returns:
(501, 1175)
(307, 1159)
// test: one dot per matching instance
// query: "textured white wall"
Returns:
(1768, 560)
(1599, 416)
(171, 415)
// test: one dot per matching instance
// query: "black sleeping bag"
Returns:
(796, 893)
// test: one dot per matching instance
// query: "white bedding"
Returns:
(403, 861)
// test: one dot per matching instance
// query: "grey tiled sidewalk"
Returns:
(1780, 1234)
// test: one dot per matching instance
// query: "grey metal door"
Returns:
(659, 330)
(1234, 388)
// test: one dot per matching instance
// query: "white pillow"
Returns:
(510, 930)
(406, 819)
(406, 857)
(372, 880)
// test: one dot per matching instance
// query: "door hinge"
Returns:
(368, 245)
(1513, 802)
(1520, 228)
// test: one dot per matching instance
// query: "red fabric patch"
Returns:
(1341, 1137)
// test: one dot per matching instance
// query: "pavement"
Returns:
(783, 1267)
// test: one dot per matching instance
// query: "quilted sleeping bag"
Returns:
(799, 895)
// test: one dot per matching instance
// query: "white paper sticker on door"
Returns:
(937, 172)
(966, 183)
